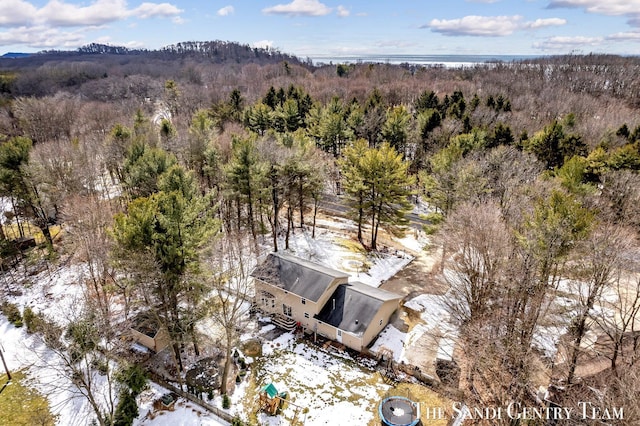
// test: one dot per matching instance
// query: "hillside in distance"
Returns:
(48, 72)
(215, 51)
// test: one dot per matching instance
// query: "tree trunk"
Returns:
(315, 212)
(227, 364)
(47, 236)
(614, 356)
(575, 351)
(375, 220)
(374, 243)
(194, 339)
(251, 224)
(15, 213)
(360, 218)
(6, 369)
(289, 220)
(301, 201)
(261, 215)
(239, 214)
(274, 197)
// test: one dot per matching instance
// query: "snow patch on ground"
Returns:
(393, 339)
(333, 250)
(54, 292)
(184, 413)
(422, 207)
(384, 267)
(435, 320)
(414, 242)
(323, 383)
(282, 342)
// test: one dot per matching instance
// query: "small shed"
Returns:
(148, 332)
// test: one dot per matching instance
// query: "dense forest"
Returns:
(150, 161)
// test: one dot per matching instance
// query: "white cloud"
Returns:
(492, 26)
(42, 37)
(605, 7)
(41, 27)
(263, 44)
(109, 41)
(343, 12)
(226, 11)
(562, 43)
(59, 13)
(627, 36)
(488, 26)
(152, 10)
(394, 44)
(482, 1)
(62, 13)
(549, 22)
(16, 12)
(299, 8)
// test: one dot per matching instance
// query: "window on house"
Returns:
(266, 301)
(306, 314)
(380, 322)
(286, 310)
(303, 301)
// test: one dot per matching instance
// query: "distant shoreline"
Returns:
(444, 60)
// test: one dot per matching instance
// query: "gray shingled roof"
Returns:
(353, 306)
(298, 276)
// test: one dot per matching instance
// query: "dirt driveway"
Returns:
(418, 277)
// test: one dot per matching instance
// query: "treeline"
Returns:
(48, 72)
(216, 50)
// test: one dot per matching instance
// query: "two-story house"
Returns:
(297, 292)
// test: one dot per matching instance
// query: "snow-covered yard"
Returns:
(323, 383)
(319, 384)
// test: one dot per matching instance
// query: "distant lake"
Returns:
(444, 60)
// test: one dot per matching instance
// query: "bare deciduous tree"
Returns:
(601, 258)
(230, 300)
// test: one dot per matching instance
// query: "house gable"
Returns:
(305, 279)
(352, 307)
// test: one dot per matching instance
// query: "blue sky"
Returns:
(330, 27)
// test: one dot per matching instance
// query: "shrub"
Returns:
(226, 402)
(134, 377)
(101, 365)
(32, 320)
(127, 409)
(12, 313)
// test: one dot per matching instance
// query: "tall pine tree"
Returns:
(378, 184)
